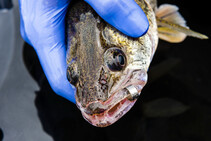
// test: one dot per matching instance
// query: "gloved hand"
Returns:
(43, 26)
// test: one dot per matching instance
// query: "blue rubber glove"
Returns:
(43, 26)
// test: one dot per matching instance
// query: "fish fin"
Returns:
(172, 26)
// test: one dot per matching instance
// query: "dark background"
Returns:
(180, 72)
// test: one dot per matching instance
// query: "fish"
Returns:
(109, 69)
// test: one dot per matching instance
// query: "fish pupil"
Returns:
(121, 60)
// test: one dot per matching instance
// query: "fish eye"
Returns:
(115, 59)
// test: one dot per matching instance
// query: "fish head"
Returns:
(111, 78)
(108, 68)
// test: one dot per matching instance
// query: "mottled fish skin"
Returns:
(101, 93)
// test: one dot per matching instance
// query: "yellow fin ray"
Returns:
(172, 26)
(170, 35)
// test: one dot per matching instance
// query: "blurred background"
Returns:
(174, 105)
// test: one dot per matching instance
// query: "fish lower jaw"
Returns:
(112, 109)
(102, 114)
(111, 115)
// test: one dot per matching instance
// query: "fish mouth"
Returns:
(118, 104)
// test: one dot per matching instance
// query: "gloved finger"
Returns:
(44, 24)
(125, 15)
(22, 30)
(51, 51)
(53, 62)
(38, 18)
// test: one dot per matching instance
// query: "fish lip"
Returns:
(116, 106)
(107, 118)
